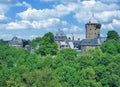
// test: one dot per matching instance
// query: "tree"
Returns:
(49, 37)
(35, 41)
(109, 47)
(68, 54)
(3, 43)
(112, 35)
(87, 78)
(68, 75)
(47, 45)
(41, 78)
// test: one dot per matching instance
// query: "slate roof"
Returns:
(16, 41)
(93, 19)
(92, 42)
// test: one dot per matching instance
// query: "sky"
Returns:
(29, 19)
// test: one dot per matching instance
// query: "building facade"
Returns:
(60, 37)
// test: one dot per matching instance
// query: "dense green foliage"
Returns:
(93, 68)
(112, 44)
(98, 67)
(47, 44)
(3, 43)
(112, 35)
(35, 41)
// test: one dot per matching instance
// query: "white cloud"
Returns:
(47, 18)
(61, 1)
(66, 1)
(5, 36)
(108, 26)
(114, 25)
(2, 26)
(47, 0)
(72, 29)
(75, 29)
(26, 4)
(83, 11)
(28, 37)
(103, 12)
(5, 5)
(49, 23)
(2, 17)
(116, 22)
(33, 36)
(110, 1)
(106, 12)
(58, 11)
(107, 16)
(17, 25)
(41, 24)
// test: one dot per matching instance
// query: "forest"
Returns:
(50, 67)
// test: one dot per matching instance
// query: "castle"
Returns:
(92, 40)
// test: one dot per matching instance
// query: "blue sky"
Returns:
(28, 19)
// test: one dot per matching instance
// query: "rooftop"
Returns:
(92, 42)
(60, 33)
(93, 19)
(60, 36)
(16, 41)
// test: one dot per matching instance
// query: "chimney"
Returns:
(72, 37)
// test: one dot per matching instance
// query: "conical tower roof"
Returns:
(93, 19)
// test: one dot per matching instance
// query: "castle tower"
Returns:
(92, 28)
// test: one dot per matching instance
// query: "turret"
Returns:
(92, 28)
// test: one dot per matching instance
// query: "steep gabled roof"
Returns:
(16, 41)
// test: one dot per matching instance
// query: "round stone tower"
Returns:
(92, 28)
